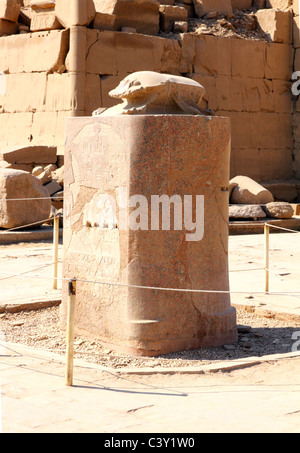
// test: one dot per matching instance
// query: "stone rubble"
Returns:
(250, 200)
(245, 93)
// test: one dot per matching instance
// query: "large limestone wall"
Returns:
(243, 79)
(46, 76)
(35, 97)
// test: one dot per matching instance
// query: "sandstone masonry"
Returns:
(59, 60)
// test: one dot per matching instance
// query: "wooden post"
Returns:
(70, 332)
(267, 260)
(55, 250)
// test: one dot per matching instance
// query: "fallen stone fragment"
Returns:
(279, 210)
(203, 7)
(246, 212)
(249, 191)
(30, 154)
(143, 15)
(18, 184)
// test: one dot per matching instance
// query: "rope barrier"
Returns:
(25, 272)
(281, 228)
(51, 197)
(29, 224)
(127, 285)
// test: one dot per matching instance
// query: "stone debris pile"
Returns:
(16, 185)
(250, 200)
(27, 173)
(247, 18)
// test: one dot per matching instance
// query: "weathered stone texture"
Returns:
(15, 184)
(279, 210)
(205, 6)
(249, 192)
(137, 151)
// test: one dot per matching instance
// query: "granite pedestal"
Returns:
(139, 157)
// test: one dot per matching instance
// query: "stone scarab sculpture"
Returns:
(148, 92)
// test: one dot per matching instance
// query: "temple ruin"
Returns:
(60, 65)
(57, 61)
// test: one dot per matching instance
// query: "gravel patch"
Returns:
(258, 336)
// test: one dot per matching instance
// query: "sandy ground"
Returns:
(185, 395)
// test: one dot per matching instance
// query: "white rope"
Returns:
(58, 197)
(28, 225)
(186, 290)
(281, 228)
(25, 272)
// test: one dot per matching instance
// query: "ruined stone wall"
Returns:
(243, 79)
(35, 97)
(246, 70)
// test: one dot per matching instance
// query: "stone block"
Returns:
(104, 21)
(143, 15)
(18, 53)
(246, 211)
(170, 14)
(40, 4)
(58, 95)
(93, 99)
(244, 53)
(127, 318)
(73, 13)
(180, 26)
(258, 95)
(16, 184)
(30, 155)
(44, 21)
(52, 187)
(276, 24)
(167, 55)
(282, 95)
(134, 52)
(187, 54)
(213, 55)
(8, 28)
(279, 4)
(262, 164)
(279, 210)
(12, 136)
(271, 130)
(241, 136)
(241, 4)
(101, 43)
(249, 191)
(276, 52)
(9, 10)
(25, 92)
(230, 93)
(296, 31)
(205, 6)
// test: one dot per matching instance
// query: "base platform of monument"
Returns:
(146, 214)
